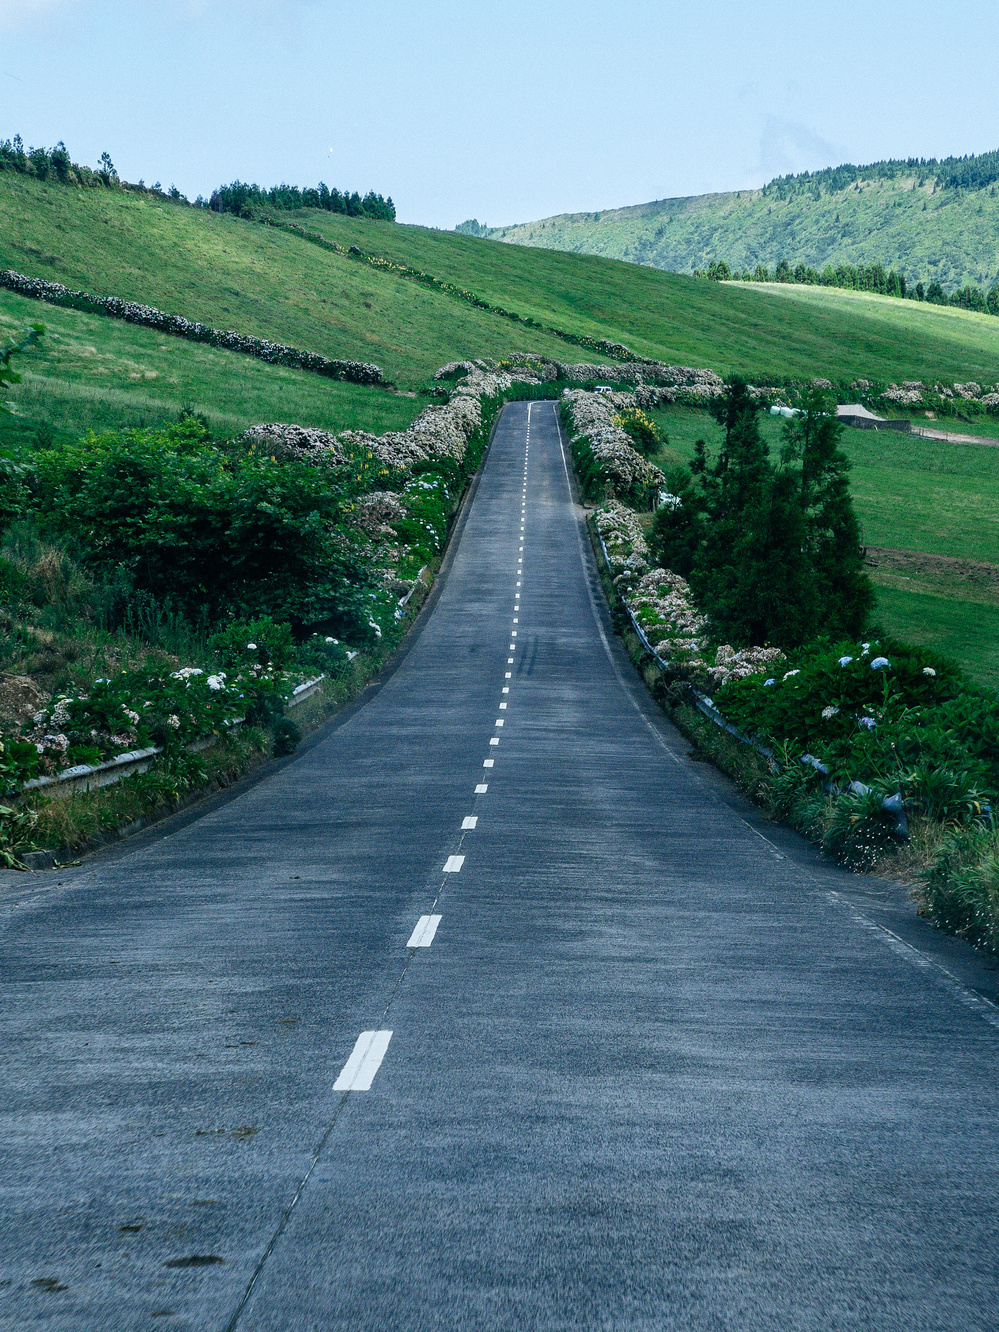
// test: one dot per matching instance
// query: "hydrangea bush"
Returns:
(877, 711)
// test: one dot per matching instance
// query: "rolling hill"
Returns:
(932, 221)
(265, 281)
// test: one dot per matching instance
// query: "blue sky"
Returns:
(505, 112)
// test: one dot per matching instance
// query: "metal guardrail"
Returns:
(91, 777)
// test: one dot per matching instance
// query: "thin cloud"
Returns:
(787, 146)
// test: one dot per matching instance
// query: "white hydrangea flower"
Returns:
(879, 663)
(173, 720)
(133, 717)
(251, 647)
(869, 722)
(928, 670)
(788, 674)
(216, 682)
(845, 661)
(771, 681)
(829, 712)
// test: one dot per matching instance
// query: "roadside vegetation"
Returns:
(169, 587)
(927, 512)
(747, 603)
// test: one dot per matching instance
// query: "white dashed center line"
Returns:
(482, 788)
(469, 821)
(423, 935)
(494, 740)
(453, 864)
(359, 1071)
(489, 763)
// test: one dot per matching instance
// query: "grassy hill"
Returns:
(918, 218)
(92, 373)
(261, 280)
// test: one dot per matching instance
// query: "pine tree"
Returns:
(832, 533)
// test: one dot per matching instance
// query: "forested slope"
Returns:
(931, 221)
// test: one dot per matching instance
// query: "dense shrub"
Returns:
(216, 532)
(771, 547)
(879, 711)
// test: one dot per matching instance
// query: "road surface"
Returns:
(488, 1011)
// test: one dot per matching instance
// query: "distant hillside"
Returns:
(411, 298)
(933, 221)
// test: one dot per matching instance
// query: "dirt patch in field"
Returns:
(973, 580)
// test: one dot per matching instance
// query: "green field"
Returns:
(240, 275)
(971, 335)
(94, 373)
(685, 320)
(910, 494)
(259, 280)
(967, 631)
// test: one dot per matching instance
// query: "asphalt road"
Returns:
(650, 1072)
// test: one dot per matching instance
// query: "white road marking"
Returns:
(499, 721)
(509, 661)
(507, 675)
(423, 935)
(494, 740)
(506, 688)
(513, 633)
(515, 620)
(453, 864)
(482, 788)
(504, 705)
(359, 1071)
(489, 763)
(469, 821)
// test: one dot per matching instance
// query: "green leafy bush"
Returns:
(213, 531)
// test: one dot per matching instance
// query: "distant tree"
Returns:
(935, 294)
(771, 548)
(992, 300)
(106, 168)
(783, 273)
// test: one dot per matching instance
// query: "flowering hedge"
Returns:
(133, 710)
(603, 452)
(357, 372)
(663, 605)
(876, 711)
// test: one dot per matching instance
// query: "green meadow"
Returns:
(94, 373)
(916, 495)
